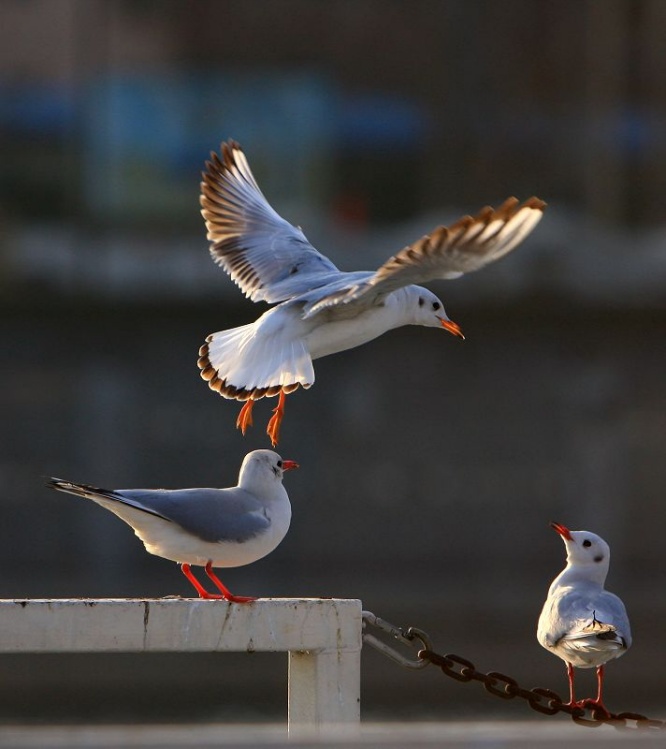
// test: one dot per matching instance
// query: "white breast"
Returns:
(340, 335)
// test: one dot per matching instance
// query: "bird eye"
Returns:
(436, 305)
(279, 464)
(587, 542)
(421, 301)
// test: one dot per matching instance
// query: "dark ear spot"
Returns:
(421, 301)
(599, 558)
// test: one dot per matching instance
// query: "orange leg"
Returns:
(203, 593)
(572, 694)
(600, 683)
(226, 593)
(597, 704)
(273, 428)
(244, 419)
(588, 704)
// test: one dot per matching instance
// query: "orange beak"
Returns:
(562, 530)
(453, 328)
(289, 465)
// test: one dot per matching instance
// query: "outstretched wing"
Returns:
(447, 252)
(267, 257)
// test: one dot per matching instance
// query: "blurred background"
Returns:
(430, 467)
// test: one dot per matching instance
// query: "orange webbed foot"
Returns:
(273, 428)
(244, 419)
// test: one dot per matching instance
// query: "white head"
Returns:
(263, 468)
(426, 309)
(588, 555)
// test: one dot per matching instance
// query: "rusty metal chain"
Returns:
(500, 685)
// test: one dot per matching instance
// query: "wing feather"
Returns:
(447, 252)
(465, 246)
(268, 258)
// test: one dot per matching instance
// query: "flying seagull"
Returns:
(321, 310)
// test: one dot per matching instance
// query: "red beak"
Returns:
(562, 530)
(289, 465)
(453, 328)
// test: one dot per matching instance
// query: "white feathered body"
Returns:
(582, 622)
(320, 309)
(280, 346)
(228, 527)
(168, 540)
(585, 627)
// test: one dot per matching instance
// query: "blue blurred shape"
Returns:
(149, 135)
(37, 108)
(378, 121)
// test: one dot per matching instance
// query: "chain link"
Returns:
(500, 685)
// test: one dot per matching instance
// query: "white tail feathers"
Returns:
(241, 363)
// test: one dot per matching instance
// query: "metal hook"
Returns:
(411, 637)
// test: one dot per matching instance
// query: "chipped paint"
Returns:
(223, 628)
(146, 618)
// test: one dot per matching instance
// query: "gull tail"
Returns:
(107, 498)
(594, 636)
(243, 364)
(81, 490)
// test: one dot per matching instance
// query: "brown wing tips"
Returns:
(216, 166)
(536, 203)
(509, 208)
(471, 241)
(226, 183)
(515, 206)
(217, 192)
(454, 232)
(227, 390)
(224, 176)
(216, 198)
(464, 228)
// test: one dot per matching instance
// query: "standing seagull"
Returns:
(321, 310)
(581, 622)
(207, 527)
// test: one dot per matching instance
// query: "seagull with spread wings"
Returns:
(321, 310)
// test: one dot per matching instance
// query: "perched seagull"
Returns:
(207, 527)
(581, 622)
(320, 309)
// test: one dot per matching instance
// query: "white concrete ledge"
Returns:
(321, 636)
(179, 624)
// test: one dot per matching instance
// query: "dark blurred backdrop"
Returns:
(430, 467)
